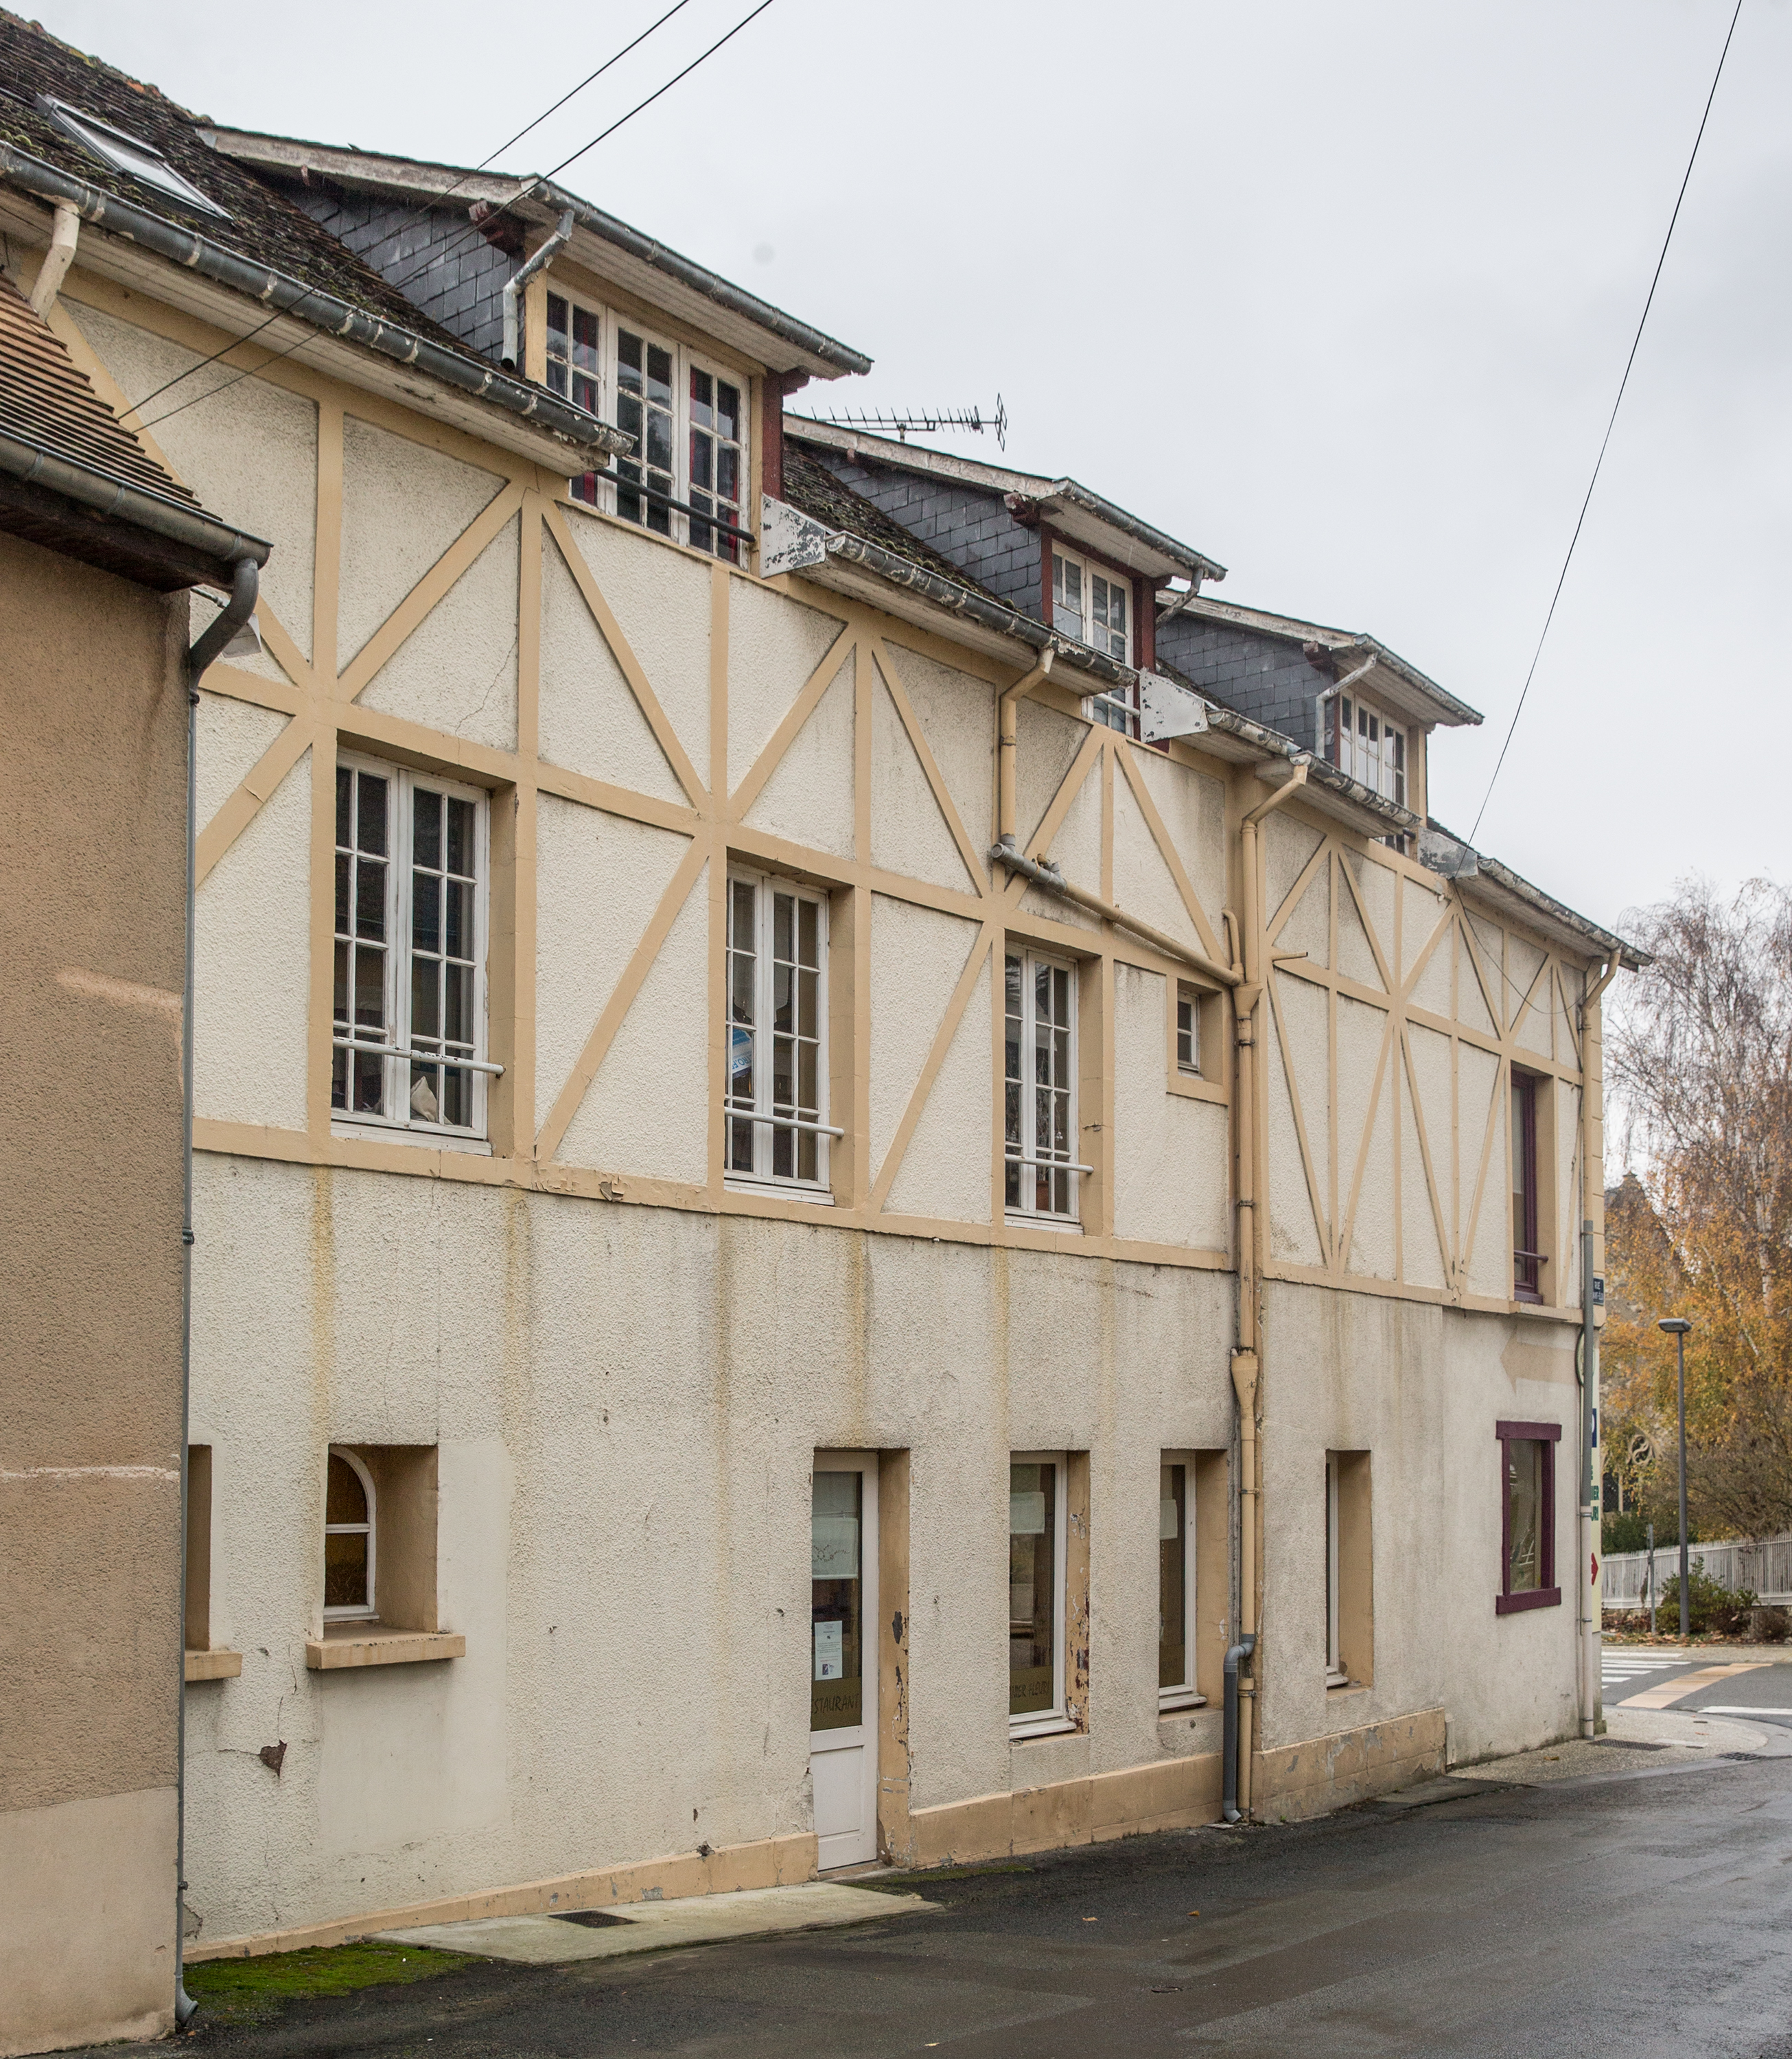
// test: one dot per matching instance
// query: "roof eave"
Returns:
(804, 346)
(556, 426)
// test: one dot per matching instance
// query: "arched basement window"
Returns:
(348, 1539)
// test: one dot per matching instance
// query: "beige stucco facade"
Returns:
(624, 1363)
(92, 731)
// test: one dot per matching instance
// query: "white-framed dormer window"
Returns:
(687, 476)
(409, 1028)
(1038, 1495)
(1095, 606)
(350, 1537)
(1364, 744)
(775, 1100)
(1040, 1099)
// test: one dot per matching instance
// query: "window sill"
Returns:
(1170, 1700)
(405, 1132)
(781, 1190)
(1024, 1730)
(218, 1665)
(344, 1645)
(1535, 1597)
(1058, 1225)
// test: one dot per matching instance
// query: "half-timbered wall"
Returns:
(625, 1364)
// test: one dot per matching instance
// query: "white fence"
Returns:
(1766, 1568)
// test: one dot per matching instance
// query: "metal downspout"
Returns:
(57, 259)
(245, 585)
(514, 285)
(1228, 1749)
(1246, 1357)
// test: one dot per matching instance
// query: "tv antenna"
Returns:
(925, 421)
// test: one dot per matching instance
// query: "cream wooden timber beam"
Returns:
(1053, 881)
(1007, 739)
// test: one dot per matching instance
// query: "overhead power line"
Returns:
(529, 128)
(1616, 404)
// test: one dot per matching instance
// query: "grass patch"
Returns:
(238, 1990)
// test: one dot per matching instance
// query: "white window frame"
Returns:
(395, 1113)
(1027, 1152)
(766, 1127)
(360, 1613)
(1116, 706)
(1188, 998)
(1379, 762)
(1056, 1720)
(1183, 1694)
(599, 489)
(1335, 1673)
(127, 154)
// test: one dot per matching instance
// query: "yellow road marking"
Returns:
(1665, 1693)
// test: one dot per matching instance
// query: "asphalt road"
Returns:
(1632, 1914)
(1764, 1692)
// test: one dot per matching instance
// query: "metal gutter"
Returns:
(36, 465)
(325, 311)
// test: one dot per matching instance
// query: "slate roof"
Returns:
(265, 227)
(46, 399)
(813, 490)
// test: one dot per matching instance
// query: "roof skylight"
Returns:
(128, 154)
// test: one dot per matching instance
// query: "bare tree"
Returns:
(1700, 1057)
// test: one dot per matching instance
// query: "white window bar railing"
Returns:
(778, 1121)
(422, 1058)
(1050, 1164)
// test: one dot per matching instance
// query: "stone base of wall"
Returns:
(768, 1862)
(1171, 1794)
(1327, 1773)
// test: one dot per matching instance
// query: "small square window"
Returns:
(1188, 1031)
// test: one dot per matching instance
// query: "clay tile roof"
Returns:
(263, 225)
(46, 399)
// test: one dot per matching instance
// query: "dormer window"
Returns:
(1364, 745)
(1094, 606)
(128, 154)
(686, 477)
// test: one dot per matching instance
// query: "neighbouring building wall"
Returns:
(93, 732)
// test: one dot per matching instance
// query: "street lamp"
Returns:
(1676, 1327)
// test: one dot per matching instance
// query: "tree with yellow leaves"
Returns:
(1700, 1058)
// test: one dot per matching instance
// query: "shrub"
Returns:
(1709, 1607)
(1628, 1532)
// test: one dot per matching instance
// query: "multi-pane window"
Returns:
(1527, 1260)
(1095, 608)
(717, 465)
(644, 395)
(348, 1539)
(574, 367)
(775, 1105)
(409, 1017)
(1040, 1103)
(1176, 1585)
(687, 476)
(1036, 1566)
(1527, 1517)
(1363, 743)
(1188, 1031)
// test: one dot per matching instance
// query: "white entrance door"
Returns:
(843, 1657)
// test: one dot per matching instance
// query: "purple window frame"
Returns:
(1506, 1602)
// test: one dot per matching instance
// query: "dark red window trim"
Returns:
(1527, 1285)
(1506, 1602)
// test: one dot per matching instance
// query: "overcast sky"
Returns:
(1337, 291)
